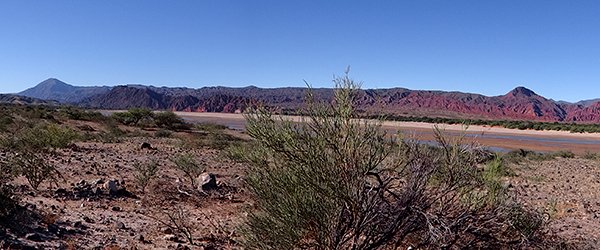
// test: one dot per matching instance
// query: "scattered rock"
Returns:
(146, 145)
(170, 237)
(207, 181)
(112, 186)
(87, 219)
(33, 237)
(98, 181)
(139, 238)
(53, 228)
(119, 225)
(116, 209)
(167, 230)
(184, 247)
(78, 224)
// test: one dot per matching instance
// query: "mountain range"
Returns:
(518, 104)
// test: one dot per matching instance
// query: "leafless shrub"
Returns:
(178, 221)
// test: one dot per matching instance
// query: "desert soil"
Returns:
(564, 189)
(91, 220)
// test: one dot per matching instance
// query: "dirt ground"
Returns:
(95, 219)
(84, 215)
(566, 190)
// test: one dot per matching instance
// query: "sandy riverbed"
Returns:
(499, 138)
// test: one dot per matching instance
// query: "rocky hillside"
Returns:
(54, 89)
(518, 104)
(17, 99)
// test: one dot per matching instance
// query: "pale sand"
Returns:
(422, 126)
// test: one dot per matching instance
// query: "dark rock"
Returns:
(87, 219)
(170, 237)
(207, 181)
(53, 228)
(33, 237)
(146, 145)
(139, 238)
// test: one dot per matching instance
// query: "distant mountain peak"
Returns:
(521, 92)
(54, 84)
(54, 89)
(52, 81)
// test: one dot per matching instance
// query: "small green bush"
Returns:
(187, 164)
(240, 151)
(41, 137)
(492, 174)
(7, 201)
(5, 121)
(124, 118)
(528, 223)
(75, 113)
(163, 133)
(210, 127)
(34, 168)
(591, 156)
(169, 120)
(563, 154)
(144, 173)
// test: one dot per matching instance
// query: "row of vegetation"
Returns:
(522, 125)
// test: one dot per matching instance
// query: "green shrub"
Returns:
(111, 133)
(124, 118)
(163, 133)
(187, 164)
(34, 168)
(41, 137)
(492, 177)
(591, 156)
(528, 223)
(334, 182)
(211, 136)
(75, 113)
(7, 201)
(169, 120)
(5, 121)
(563, 154)
(144, 173)
(240, 152)
(134, 117)
(140, 114)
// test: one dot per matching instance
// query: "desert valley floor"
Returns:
(80, 213)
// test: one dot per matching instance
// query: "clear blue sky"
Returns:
(488, 47)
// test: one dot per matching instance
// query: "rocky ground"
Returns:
(566, 190)
(98, 205)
